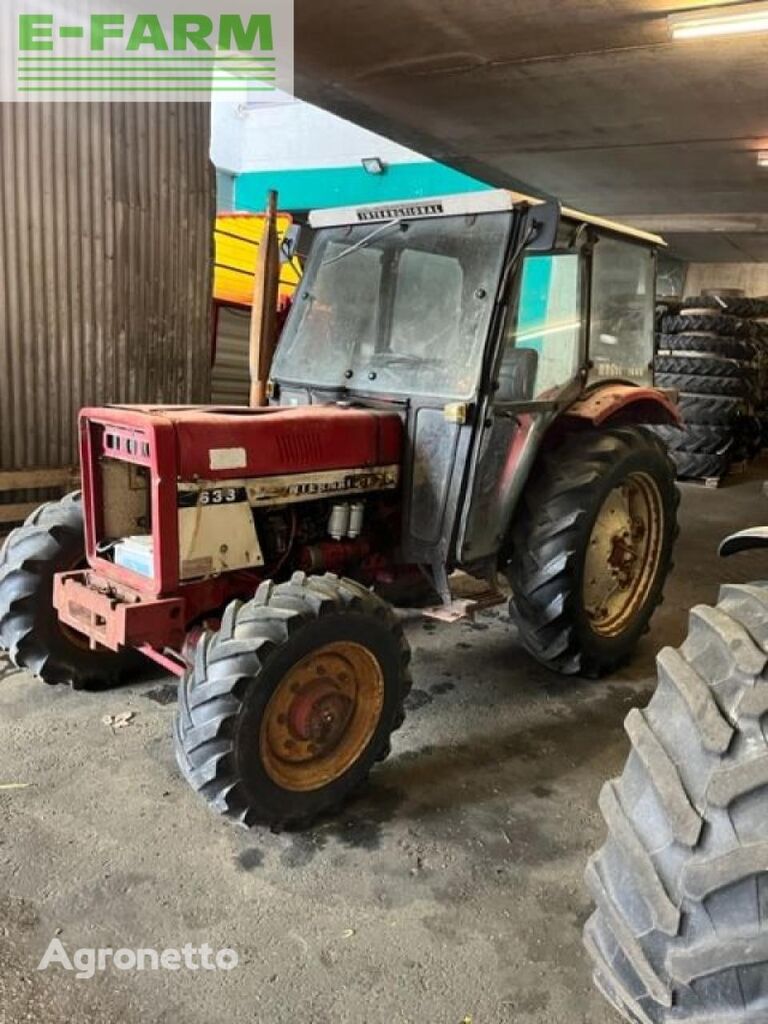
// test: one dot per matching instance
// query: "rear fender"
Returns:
(615, 404)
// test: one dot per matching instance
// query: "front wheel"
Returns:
(292, 701)
(592, 547)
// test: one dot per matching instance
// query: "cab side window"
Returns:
(542, 347)
(623, 306)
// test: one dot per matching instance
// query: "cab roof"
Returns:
(489, 201)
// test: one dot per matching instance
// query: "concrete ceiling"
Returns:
(588, 100)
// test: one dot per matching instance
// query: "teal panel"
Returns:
(534, 298)
(350, 186)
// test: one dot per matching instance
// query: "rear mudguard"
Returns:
(745, 540)
(615, 403)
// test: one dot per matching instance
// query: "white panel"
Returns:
(291, 135)
(217, 538)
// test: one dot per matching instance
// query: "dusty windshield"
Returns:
(400, 308)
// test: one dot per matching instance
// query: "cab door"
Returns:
(539, 363)
(438, 442)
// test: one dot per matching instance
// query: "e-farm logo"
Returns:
(86, 50)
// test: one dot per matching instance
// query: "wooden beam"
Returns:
(17, 513)
(34, 479)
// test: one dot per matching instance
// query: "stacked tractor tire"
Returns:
(713, 350)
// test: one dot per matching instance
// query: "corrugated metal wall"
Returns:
(106, 214)
(231, 379)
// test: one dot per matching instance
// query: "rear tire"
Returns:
(247, 734)
(680, 932)
(50, 541)
(552, 549)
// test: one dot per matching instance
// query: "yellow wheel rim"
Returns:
(623, 555)
(322, 716)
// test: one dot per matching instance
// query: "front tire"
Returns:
(680, 932)
(293, 700)
(591, 549)
(50, 541)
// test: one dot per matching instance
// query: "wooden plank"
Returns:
(16, 513)
(33, 479)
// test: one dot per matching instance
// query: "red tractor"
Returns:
(462, 384)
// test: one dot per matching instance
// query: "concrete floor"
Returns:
(451, 891)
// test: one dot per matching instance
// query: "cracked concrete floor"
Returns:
(450, 890)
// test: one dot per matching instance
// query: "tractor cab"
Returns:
(483, 317)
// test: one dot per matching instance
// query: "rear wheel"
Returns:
(591, 549)
(292, 701)
(50, 541)
(680, 932)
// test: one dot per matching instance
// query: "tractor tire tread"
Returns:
(678, 932)
(706, 384)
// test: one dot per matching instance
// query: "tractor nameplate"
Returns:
(285, 490)
(278, 490)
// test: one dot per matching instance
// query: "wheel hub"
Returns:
(322, 716)
(623, 554)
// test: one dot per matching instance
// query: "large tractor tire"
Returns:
(703, 365)
(291, 703)
(710, 409)
(696, 437)
(708, 344)
(50, 541)
(696, 466)
(728, 326)
(701, 384)
(591, 549)
(680, 932)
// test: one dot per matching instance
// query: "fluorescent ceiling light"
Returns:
(730, 20)
(762, 158)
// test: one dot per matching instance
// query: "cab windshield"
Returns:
(396, 308)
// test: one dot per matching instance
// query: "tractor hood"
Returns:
(220, 443)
